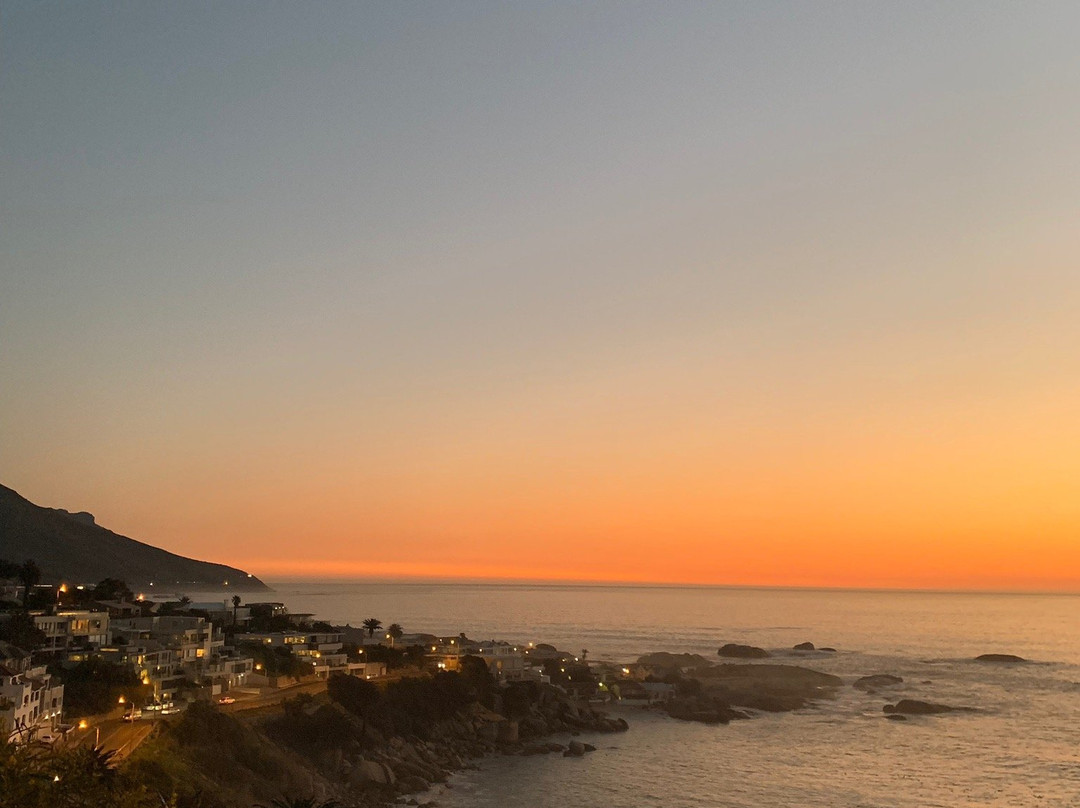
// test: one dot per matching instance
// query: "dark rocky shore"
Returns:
(400, 766)
(361, 754)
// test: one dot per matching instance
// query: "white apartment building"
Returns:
(30, 700)
(73, 630)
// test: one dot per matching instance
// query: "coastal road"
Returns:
(274, 698)
(118, 736)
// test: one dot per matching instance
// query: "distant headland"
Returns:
(73, 547)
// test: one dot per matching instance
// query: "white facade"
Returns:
(70, 630)
(30, 700)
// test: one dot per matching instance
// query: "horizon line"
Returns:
(609, 584)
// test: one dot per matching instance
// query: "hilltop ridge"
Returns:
(73, 547)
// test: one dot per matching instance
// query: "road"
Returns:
(123, 737)
(118, 736)
(274, 698)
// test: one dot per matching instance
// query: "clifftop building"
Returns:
(30, 700)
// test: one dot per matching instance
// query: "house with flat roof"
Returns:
(30, 699)
(69, 630)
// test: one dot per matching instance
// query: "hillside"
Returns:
(71, 547)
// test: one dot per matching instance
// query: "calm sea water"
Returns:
(1020, 748)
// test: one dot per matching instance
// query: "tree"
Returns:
(184, 601)
(356, 695)
(584, 653)
(395, 631)
(20, 631)
(235, 606)
(112, 589)
(94, 685)
(30, 575)
(372, 624)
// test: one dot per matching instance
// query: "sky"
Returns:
(725, 293)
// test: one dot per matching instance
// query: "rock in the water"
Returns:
(575, 749)
(766, 686)
(828, 650)
(664, 659)
(1008, 658)
(913, 707)
(868, 684)
(896, 717)
(704, 709)
(736, 651)
(804, 646)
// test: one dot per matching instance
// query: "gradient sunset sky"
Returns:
(732, 293)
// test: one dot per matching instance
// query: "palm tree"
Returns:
(372, 624)
(300, 802)
(184, 601)
(395, 631)
(235, 606)
(30, 575)
(584, 653)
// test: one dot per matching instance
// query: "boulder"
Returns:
(896, 717)
(576, 749)
(507, 732)
(804, 646)
(768, 687)
(1010, 659)
(703, 709)
(412, 783)
(370, 771)
(532, 727)
(913, 707)
(828, 650)
(869, 684)
(664, 659)
(736, 651)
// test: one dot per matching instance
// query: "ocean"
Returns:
(1020, 746)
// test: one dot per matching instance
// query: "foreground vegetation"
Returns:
(205, 758)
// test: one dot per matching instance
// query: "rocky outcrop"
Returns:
(1009, 659)
(370, 771)
(736, 651)
(705, 709)
(871, 684)
(803, 646)
(663, 659)
(376, 768)
(766, 687)
(913, 707)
